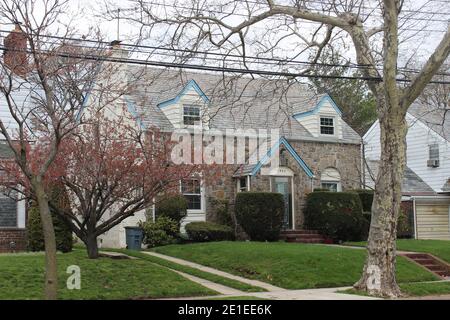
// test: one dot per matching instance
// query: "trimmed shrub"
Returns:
(337, 215)
(173, 207)
(208, 231)
(320, 190)
(366, 197)
(405, 223)
(260, 214)
(162, 232)
(35, 235)
(220, 208)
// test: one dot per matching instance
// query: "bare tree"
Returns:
(43, 87)
(273, 28)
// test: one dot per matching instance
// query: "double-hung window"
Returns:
(191, 115)
(191, 190)
(242, 184)
(327, 125)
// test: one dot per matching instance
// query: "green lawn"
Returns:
(416, 289)
(289, 265)
(425, 289)
(438, 248)
(238, 298)
(22, 277)
(192, 271)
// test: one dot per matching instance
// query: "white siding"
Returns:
(174, 112)
(312, 121)
(433, 221)
(115, 237)
(418, 138)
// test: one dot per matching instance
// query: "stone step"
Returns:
(419, 256)
(435, 267)
(284, 232)
(302, 236)
(424, 261)
(429, 262)
(296, 240)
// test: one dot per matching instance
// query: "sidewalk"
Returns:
(273, 292)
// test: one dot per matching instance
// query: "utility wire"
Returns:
(260, 60)
(208, 68)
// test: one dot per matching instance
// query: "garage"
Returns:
(432, 219)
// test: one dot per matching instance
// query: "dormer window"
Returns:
(327, 125)
(191, 115)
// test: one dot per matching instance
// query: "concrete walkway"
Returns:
(223, 290)
(273, 292)
(256, 283)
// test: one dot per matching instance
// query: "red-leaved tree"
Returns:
(111, 170)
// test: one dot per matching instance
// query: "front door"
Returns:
(283, 185)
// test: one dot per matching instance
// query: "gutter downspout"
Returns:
(414, 217)
(363, 167)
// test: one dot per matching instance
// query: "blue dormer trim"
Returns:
(132, 109)
(322, 101)
(290, 149)
(190, 85)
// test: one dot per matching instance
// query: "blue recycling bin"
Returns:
(134, 237)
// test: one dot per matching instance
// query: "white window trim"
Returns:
(338, 184)
(202, 199)
(20, 214)
(238, 184)
(334, 125)
(200, 123)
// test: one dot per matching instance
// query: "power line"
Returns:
(284, 19)
(210, 68)
(260, 60)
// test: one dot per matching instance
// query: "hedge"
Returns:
(337, 215)
(208, 231)
(162, 232)
(366, 197)
(173, 207)
(35, 236)
(260, 214)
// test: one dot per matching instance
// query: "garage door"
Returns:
(432, 221)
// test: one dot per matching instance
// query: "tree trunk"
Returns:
(51, 271)
(92, 247)
(378, 276)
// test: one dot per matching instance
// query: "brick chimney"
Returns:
(15, 56)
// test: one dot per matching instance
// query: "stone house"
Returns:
(293, 140)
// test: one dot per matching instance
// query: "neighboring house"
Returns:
(425, 184)
(317, 148)
(12, 215)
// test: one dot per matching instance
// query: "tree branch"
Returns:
(433, 64)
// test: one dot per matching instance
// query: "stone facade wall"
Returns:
(346, 158)
(12, 239)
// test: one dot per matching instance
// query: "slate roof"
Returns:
(235, 102)
(412, 184)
